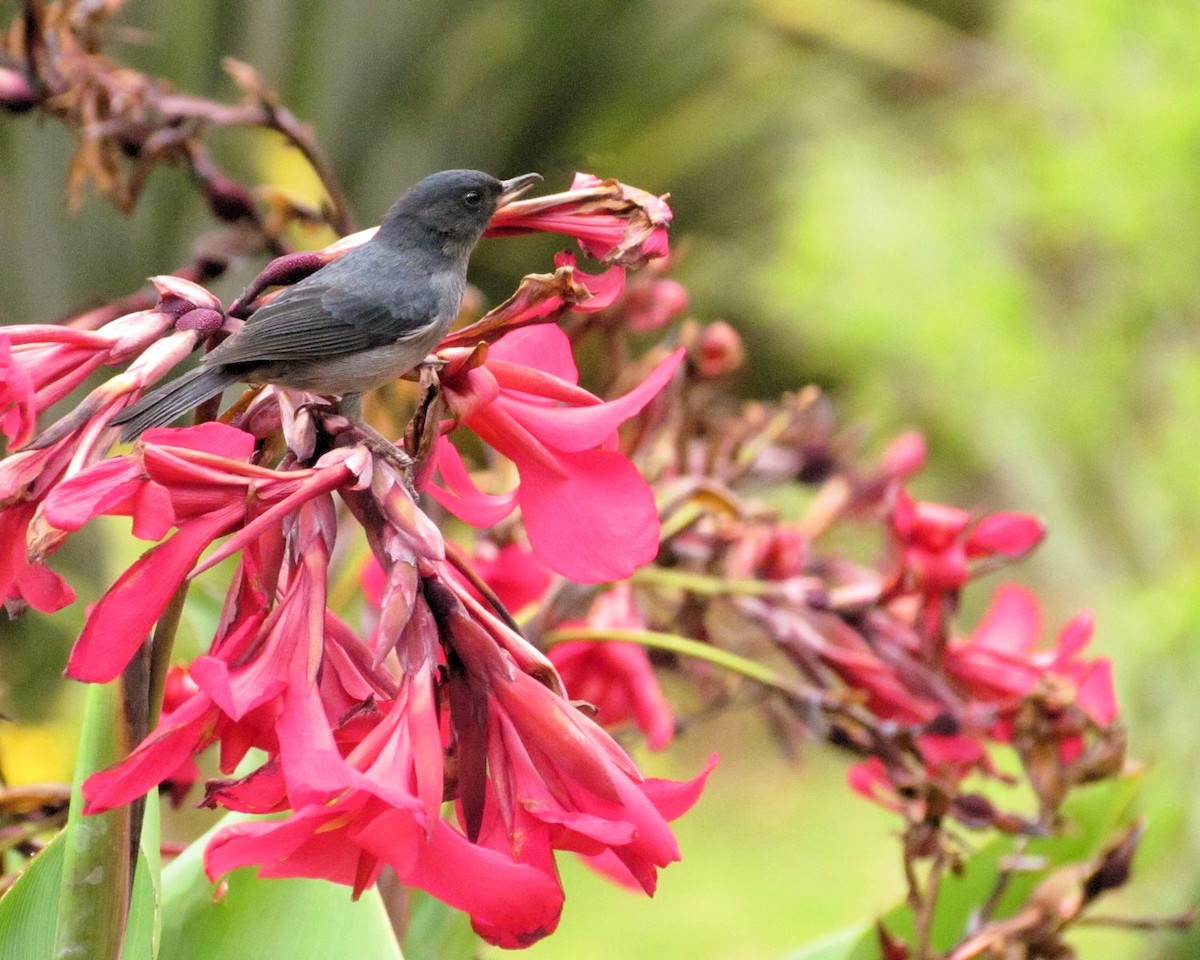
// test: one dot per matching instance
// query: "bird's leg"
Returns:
(350, 407)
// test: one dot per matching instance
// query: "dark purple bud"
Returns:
(204, 321)
(973, 810)
(16, 92)
(229, 200)
(1115, 866)
(281, 271)
(174, 306)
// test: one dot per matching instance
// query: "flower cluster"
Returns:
(362, 735)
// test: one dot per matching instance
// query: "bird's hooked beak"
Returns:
(511, 189)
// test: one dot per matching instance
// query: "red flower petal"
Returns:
(461, 497)
(122, 619)
(544, 348)
(1007, 534)
(595, 521)
(1012, 623)
(175, 739)
(582, 428)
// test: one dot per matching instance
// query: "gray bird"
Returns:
(363, 319)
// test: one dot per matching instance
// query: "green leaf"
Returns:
(853, 943)
(29, 910)
(144, 926)
(267, 919)
(1094, 814)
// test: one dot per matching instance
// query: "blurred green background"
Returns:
(971, 217)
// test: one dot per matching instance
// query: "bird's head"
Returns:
(452, 207)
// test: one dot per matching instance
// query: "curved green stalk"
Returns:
(684, 646)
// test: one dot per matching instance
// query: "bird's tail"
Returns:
(161, 406)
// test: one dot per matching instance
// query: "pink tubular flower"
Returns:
(616, 677)
(41, 364)
(198, 480)
(588, 513)
(357, 731)
(938, 548)
(554, 779)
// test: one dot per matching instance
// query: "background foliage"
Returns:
(978, 219)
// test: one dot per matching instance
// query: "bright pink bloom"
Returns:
(588, 512)
(937, 542)
(1001, 662)
(616, 677)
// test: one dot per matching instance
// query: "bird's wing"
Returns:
(335, 313)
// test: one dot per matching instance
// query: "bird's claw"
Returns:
(397, 457)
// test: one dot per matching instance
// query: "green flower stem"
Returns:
(160, 650)
(702, 583)
(686, 647)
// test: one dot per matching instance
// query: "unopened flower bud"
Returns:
(718, 351)
(203, 321)
(176, 296)
(281, 271)
(16, 92)
(229, 200)
(651, 305)
(905, 455)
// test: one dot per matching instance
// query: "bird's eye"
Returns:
(472, 198)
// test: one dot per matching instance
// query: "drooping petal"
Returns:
(113, 486)
(1095, 694)
(594, 521)
(309, 843)
(175, 739)
(545, 348)
(214, 437)
(1006, 534)
(514, 573)
(122, 619)
(1013, 622)
(512, 905)
(22, 582)
(460, 495)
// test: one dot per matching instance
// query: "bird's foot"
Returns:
(389, 452)
(350, 407)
